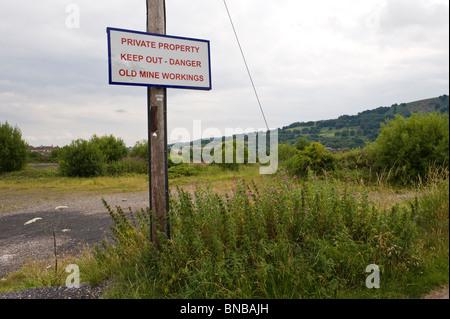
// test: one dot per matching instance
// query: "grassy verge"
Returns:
(44, 180)
(41, 273)
(284, 239)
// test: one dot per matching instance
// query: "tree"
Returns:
(82, 159)
(13, 150)
(413, 144)
(301, 143)
(113, 149)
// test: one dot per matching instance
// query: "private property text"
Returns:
(160, 45)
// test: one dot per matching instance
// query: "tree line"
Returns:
(406, 146)
(406, 149)
(356, 131)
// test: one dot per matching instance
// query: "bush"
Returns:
(413, 144)
(35, 157)
(313, 157)
(182, 169)
(140, 149)
(286, 151)
(302, 143)
(355, 163)
(82, 159)
(13, 150)
(128, 165)
(113, 149)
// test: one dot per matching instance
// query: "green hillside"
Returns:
(354, 131)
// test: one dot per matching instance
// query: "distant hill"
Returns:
(354, 131)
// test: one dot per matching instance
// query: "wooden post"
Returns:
(157, 133)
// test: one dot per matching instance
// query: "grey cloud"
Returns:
(405, 13)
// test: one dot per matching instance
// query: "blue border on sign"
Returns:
(108, 29)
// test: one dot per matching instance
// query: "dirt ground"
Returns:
(85, 221)
(438, 294)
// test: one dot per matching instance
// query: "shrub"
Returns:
(140, 149)
(113, 149)
(302, 143)
(82, 159)
(313, 157)
(13, 150)
(413, 144)
(355, 163)
(35, 157)
(182, 169)
(286, 151)
(128, 165)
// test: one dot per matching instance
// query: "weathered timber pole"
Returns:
(157, 134)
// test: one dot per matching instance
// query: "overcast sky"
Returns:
(310, 60)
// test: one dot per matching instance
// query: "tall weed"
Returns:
(286, 238)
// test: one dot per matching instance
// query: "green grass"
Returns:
(44, 180)
(41, 273)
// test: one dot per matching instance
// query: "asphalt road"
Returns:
(74, 230)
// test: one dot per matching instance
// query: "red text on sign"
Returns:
(150, 59)
(178, 47)
(183, 77)
(139, 43)
(149, 75)
(131, 57)
(128, 73)
(191, 63)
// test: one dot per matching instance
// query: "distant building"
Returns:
(43, 150)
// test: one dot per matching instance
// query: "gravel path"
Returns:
(84, 222)
(83, 292)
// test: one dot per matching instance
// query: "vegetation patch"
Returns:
(287, 238)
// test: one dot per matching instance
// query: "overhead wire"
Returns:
(246, 65)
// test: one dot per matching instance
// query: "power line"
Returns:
(246, 65)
